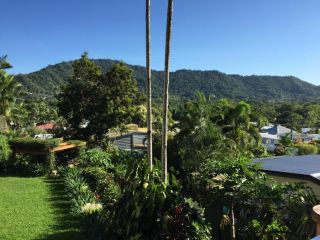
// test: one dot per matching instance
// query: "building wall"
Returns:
(315, 187)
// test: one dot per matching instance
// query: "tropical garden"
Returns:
(195, 179)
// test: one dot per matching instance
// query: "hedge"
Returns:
(306, 149)
(31, 144)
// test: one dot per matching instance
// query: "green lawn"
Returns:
(35, 209)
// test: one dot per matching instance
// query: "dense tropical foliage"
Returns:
(213, 190)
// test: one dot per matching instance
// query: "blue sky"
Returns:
(272, 37)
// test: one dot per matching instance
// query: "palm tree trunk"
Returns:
(164, 157)
(149, 93)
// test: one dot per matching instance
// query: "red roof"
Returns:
(46, 126)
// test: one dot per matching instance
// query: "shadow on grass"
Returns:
(13, 174)
(66, 224)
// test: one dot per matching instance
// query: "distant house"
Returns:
(276, 129)
(305, 137)
(135, 139)
(307, 130)
(294, 169)
(131, 141)
(269, 141)
(272, 133)
(46, 126)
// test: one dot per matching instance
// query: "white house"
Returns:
(272, 133)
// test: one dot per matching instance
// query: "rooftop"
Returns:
(276, 129)
(46, 126)
(307, 165)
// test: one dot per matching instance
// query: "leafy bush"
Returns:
(263, 208)
(122, 157)
(286, 140)
(84, 204)
(274, 230)
(31, 144)
(111, 195)
(103, 177)
(92, 223)
(77, 188)
(260, 151)
(4, 152)
(101, 182)
(27, 166)
(22, 165)
(279, 150)
(291, 151)
(4, 148)
(306, 149)
(147, 200)
(32, 131)
(281, 210)
(95, 157)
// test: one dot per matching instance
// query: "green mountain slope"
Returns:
(47, 82)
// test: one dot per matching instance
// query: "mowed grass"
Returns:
(35, 209)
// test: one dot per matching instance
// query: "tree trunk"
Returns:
(164, 157)
(149, 91)
(232, 223)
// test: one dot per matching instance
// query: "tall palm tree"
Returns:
(4, 63)
(164, 157)
(149, 94)
(237, 125)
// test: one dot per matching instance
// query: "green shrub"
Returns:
(92, 225)
(291, 151)
(4, 149)
(95, 157)
(4, 152)
(279, 150)
(286, 140)
(122, 157)
(111, 195)
(77, 188)
(31, 144)
(260, 151)
(32, 131)
(26, 166)
(306, 149)
(98, 178)
(84, 204)
(150, 209)
(103, 177)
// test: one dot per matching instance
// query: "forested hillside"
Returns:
(47, 82)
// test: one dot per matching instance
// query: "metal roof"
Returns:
(276, 129)
(307, 165)
(269, 136)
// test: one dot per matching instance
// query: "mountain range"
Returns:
(184, 83)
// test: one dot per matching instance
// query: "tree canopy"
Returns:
(93, 102)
